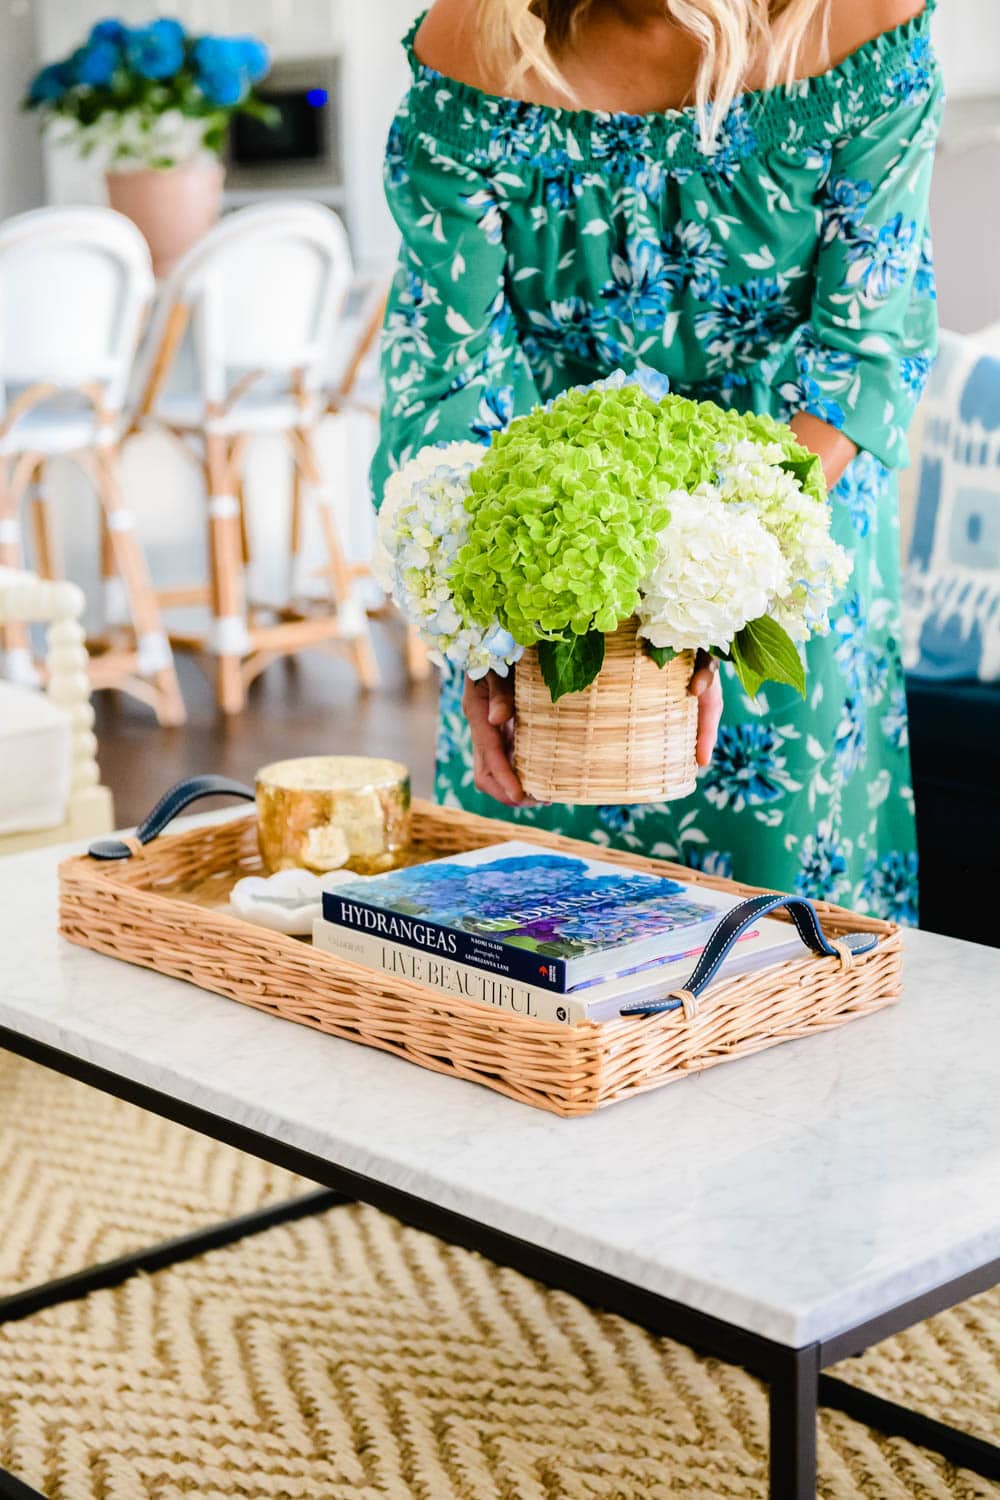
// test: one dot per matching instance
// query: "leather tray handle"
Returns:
(169, 806)
(731, 928)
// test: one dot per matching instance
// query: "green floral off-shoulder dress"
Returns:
(788, 270)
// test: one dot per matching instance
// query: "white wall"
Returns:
(968, 40)
(375, 79)
(21, 182)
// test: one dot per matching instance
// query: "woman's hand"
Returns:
(489, 707)
(707, 688)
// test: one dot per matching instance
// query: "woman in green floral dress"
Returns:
(783, 268)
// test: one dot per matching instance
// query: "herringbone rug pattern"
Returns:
(347, 1358)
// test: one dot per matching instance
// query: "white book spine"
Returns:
(446, 975)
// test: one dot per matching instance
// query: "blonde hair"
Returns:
(526, 35)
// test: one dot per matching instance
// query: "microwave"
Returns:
(303, 147)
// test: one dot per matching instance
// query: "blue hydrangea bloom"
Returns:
(256, 58)
(115, 32)
(95, 63)
(224, 87)
(219, 61)
(156, 50)
(49, 84)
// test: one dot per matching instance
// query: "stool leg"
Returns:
(294, 525)
(230, 637)
(418, 666)
(18, 658)
(47, 559)
(155, 659)
(114, 595)
(237, 454)
(341, 582)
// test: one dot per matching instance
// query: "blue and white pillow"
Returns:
(952, 580)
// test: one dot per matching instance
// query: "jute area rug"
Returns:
(347, 1358)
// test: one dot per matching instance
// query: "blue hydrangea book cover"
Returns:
(541, 917)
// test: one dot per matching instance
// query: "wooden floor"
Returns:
(306, 705)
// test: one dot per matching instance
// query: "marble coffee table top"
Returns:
(795, 1193)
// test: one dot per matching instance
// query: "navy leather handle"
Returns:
(170, 804)
(732, 928)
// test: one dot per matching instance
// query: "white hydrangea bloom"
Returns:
(717, 567)
(133, 139)
(751, 474)
(421, 528)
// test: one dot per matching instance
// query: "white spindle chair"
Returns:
(239, 348)
(75, 285)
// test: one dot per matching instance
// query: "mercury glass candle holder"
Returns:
(327, 812)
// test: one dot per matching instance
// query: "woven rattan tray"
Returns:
(166, 909)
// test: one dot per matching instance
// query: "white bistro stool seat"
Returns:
(238, 350)
(75, 284)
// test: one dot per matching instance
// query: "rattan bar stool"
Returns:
(237, 350)
(75, 285)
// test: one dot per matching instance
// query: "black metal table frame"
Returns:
(797, 1386)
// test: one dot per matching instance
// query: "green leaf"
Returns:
(804, 469)
(763, 651)
(569, 666)
(660, 654)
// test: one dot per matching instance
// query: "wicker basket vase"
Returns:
(629, 737)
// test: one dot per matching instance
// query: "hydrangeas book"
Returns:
(550, 920)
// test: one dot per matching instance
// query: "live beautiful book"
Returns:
(764, 943)
(551, 921)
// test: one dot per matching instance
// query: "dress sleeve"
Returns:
(451, 363)
(863, 358)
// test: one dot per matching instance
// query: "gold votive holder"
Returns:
(330, 812)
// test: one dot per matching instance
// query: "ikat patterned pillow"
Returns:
(952, 583)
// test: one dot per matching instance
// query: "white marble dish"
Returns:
(288, 901)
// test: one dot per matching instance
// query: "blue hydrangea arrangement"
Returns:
(150, 96)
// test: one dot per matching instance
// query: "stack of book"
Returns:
(548, 935)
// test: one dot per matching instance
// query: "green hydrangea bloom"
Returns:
(564, 513)
(568, 501)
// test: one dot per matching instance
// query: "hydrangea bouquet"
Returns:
(149, 96)
(708, 528)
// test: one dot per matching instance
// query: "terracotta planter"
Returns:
(173, 207)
